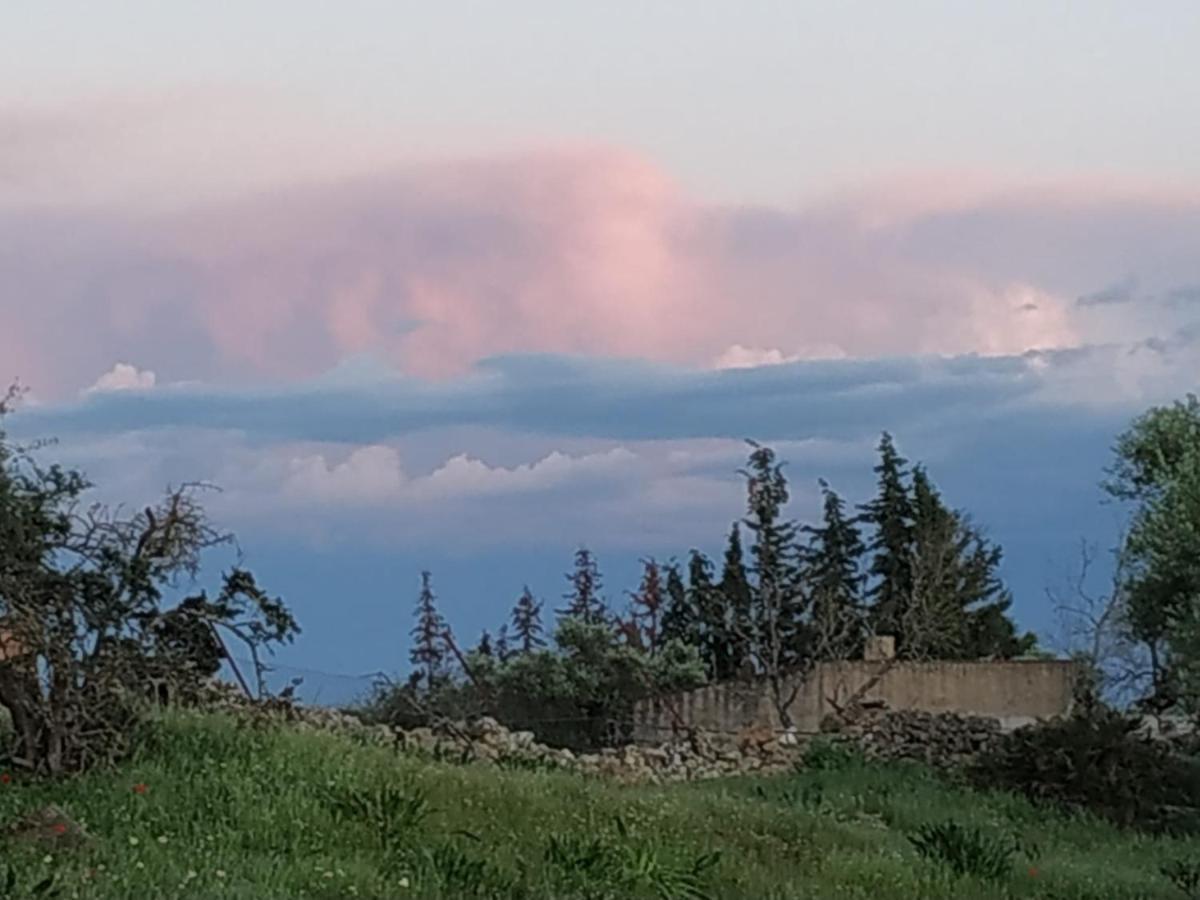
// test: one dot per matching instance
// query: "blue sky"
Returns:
(462, 286)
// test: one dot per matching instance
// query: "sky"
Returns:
(461, 286)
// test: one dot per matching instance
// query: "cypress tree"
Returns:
(527, 622)
(833, 569)
(713, 634)
(679, 619)
(891, 514)
(734, 591)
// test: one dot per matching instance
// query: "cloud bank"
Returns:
(434, 268)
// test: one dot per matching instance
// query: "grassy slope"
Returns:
(231, 812)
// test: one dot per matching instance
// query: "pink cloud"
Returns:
(434, 267)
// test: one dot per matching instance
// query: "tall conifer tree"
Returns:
(583, 600)
(680, 621)
(833, 570)
(734, 590)
(429, 641)
(891, 514)
(527, 622)
(649, 603)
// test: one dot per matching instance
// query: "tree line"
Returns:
(786, 597)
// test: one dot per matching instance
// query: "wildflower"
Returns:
(140, 788)
(1033, 872)
(192, 873)
(47, 859)
(403, 882)
(140, 864)
(59, 827)
(220, 873)
(5, 778)
(162, 838)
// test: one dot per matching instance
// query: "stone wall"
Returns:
(1014, 692)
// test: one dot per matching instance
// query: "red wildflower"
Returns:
(139, 788)
(59, 827)
(5, 778)
(1033, 872)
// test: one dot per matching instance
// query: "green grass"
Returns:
(237, 812)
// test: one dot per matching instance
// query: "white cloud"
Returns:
(123, 377)
(375, 475)
(739, 357)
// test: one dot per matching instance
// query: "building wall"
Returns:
(1015, 692)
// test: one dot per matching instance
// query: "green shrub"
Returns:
(828, 756)
(965, 850)
(1097, 763)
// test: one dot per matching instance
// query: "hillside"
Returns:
(211, 808)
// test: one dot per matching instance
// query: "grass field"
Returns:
(212, 810)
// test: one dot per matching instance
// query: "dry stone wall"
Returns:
(937, 739)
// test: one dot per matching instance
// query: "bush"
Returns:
(828, 756)
(1097, 763)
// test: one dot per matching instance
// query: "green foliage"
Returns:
(1185, 875)
(10, 888)
(577, 694)
(780, 634)
(249, 811)
(681, 619)
(734, 591)
(626, 866)
(392, 812)
(824, 755)
(1157, 468)
(527, 626)
(429, 650)
(84, 590)
(584, 601)
(1097, 763)
(965, 850)
(891, 514)
(832, 567)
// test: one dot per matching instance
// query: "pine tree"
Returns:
(891, 514)
(959, 605)
(484, 647)
(648, 604)
(781, 639)
(429, 641)
(527, 622)
(503, 651)
(584, 600)
(734, 591)
(833, 568)
(679, 619)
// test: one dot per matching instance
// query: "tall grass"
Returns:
(230, 811)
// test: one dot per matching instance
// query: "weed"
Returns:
(966, 850)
